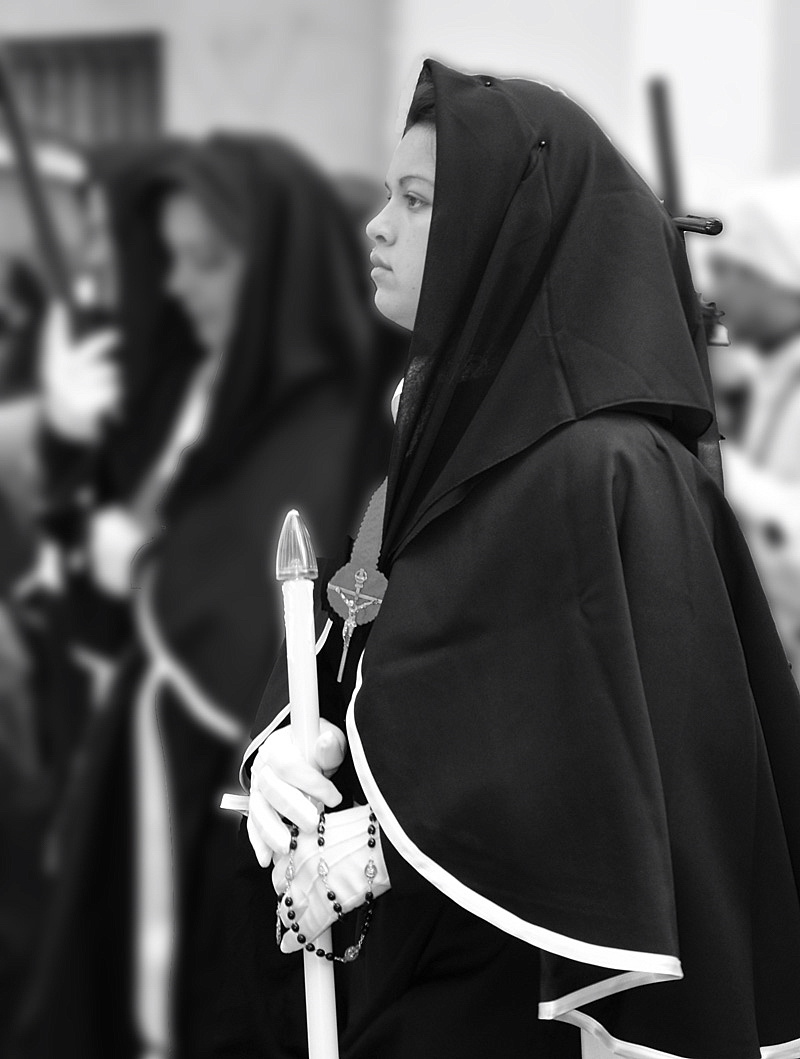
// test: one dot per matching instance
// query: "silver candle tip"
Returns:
(295, 560)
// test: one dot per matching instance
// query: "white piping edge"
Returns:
(276, 721)
(553, 1009)
(623, 1049)
(648, 963)
(100, 670)
(207, 714)
(236, 803)
(155, 872)
(627, 1050)
(787, 1050)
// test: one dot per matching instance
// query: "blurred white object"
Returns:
(735, 365)
(46, 574)
(80, 382)
(768, 507)
(114, 540)
(762, 230)
(154, 932)
(756, 280)
(55, 161)
(772, 432)
(759, 496)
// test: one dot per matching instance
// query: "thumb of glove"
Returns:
(329, 750)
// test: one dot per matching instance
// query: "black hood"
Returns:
(555, 286)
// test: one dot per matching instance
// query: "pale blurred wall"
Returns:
(786, 85)
(719, 56)
(329, 73)
(732, 97)
(583, 46)
(310, 69)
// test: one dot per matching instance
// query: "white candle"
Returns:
(296, 569)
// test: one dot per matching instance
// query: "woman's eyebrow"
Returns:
(413, 176)
(405, 180)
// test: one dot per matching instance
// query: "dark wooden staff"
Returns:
(57, 512)
(708, 445)
(53, 258)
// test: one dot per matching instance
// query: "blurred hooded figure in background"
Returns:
(108, 405)
(755, 279)
(235, 394)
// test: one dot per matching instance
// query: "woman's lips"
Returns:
(378, 262)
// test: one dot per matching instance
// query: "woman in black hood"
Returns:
(572, 738)
(246, 330)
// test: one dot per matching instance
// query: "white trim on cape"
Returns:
(627, 1050)
(197, 703)
(618, 983)
(638, 968)
(651, 966)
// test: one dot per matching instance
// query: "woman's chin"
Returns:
(388, 307)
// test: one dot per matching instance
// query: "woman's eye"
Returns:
(412, 201)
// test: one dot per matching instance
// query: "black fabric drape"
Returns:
(574, 718)
(555, 285)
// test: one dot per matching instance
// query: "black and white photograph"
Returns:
(399, 529)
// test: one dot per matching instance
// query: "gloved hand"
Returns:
(114, 538)
(281, 784)
(80, 383)
(346, 854)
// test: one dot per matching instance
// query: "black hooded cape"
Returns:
(573, 717)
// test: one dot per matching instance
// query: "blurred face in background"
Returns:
(98, 281)
(400, 231)
(757, 311)
(206, 269)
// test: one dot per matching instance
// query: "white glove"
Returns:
(281, 784)
(79, 380)
(346, 854)
(114, 538)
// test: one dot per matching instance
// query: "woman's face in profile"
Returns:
(206, 269)
(400, 230)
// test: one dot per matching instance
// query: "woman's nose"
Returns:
(379, 229)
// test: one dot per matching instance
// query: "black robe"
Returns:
(601, 763)
(573, 718)
(155, 359)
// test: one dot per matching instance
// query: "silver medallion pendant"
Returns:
(356, 596)
(356, 591)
